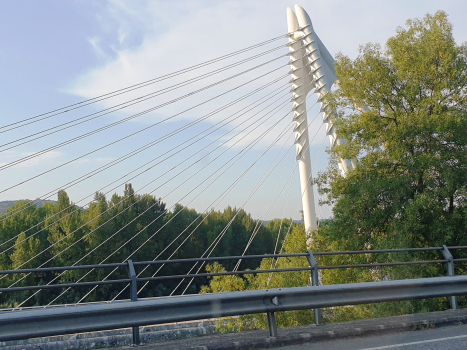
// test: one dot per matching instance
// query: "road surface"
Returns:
(451, 338)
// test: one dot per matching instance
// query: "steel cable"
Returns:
(125, 210)
(136, 170)
(245, 150)
(140, 149)
(128, 104)
(18, 161)
(151, 81)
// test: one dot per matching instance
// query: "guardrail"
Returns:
(18, 325)
(314, 268)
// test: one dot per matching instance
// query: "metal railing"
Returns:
(44, 322)
(313, 267)
(130, 265)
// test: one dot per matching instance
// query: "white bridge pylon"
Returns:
(312, 69)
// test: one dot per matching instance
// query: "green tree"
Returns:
(110, 231)
(64, 232)
(13, 225)
(403, 111)
(295, 242)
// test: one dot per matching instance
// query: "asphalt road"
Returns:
(451, 338)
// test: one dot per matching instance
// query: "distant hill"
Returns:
(4, 205)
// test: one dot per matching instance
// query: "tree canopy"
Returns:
(112, 230)
(403, 111)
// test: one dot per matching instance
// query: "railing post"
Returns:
(450, 267)
(272, 324)
(134, 297)
(314, 282)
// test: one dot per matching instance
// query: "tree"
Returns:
(65, 221)
(294, 242)
(12, 225)
(403, 111)
(111, 230)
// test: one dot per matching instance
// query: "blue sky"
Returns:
(55, 53)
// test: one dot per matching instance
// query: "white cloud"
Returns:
(167, 45)
(152, 38)
(46, 158)
(96, 45)
(174, 35)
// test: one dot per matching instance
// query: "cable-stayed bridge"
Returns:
(245, 117)
(237, 129)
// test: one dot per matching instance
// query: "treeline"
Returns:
(133, 226)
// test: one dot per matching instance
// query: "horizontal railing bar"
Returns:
(158, 262)
(228, 273)
(64, 285)
(382, 264)
(190, 260)
(378, 251)
(144, 279)
(459, 260)
(61, 268)
(16, 325)
(62, 305)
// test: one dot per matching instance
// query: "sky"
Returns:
(56, 53)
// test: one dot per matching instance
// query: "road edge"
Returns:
(308, 334)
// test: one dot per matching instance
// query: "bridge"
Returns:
(237, 144)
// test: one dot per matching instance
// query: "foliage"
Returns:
(295, 242)
(402, 110)
(111, 230)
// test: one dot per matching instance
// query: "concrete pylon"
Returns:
(301, 85)
(324, 75)
(312, 70)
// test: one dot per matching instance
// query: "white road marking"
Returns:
(415, 342)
